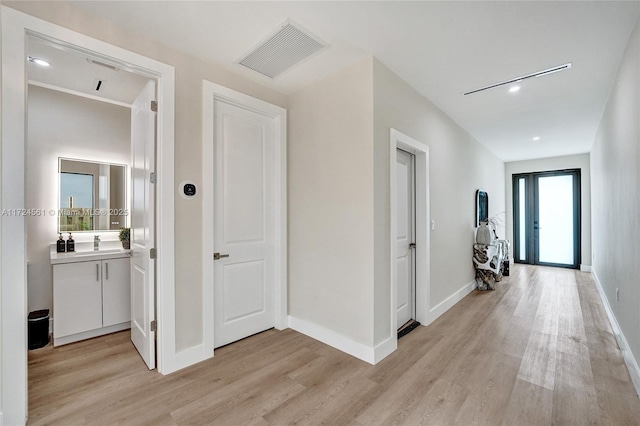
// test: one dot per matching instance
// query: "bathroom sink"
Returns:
(87, 255)
(92, 252)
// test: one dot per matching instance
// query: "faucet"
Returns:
(96, 243)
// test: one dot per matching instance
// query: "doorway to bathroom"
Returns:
(18, 31)
(87, 119)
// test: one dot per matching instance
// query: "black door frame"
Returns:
(532, 250)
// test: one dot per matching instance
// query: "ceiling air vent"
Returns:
(288, 46)
(103, 64)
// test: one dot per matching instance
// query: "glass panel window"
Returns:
(522, 237)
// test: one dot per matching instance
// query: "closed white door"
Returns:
(142, 224)
(244, 219)
(405, 207)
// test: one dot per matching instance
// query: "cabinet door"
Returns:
(116, 291)
(77, 298)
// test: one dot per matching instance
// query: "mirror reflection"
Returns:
(92, 196)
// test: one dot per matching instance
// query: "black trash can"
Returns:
(505, 268)
(38, 328)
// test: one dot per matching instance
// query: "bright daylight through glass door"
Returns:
(555, 219)
(546, 218)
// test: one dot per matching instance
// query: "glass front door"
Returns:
(546, 208)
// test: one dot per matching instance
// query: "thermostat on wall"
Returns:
(188, 189)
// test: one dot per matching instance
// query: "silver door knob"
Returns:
(218, 256)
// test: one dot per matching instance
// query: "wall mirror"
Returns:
(92, 196)
(482, 207)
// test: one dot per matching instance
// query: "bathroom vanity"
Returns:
(91, 293)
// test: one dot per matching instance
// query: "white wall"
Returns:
(330, 165)
(1, 325)
(458, 166)
(581, 162)
(188, 140)
(339, 250)
(63, 125)
(615, 174)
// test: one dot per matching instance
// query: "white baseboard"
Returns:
(342, 342)
(385, 348)
(373, 355)
(449, 302)
(186, 358)
(630, 360)
(585, 268)
(58, 341)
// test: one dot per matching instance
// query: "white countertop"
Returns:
(85, 253)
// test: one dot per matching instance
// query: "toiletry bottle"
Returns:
(96, 243)
(60, 245)
(71, 244)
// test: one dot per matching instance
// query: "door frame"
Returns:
(16, 26)
(210, 93)
(531, 199)
(422, 254)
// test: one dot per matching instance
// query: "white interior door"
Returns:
(143, 123)
(244, 219)
(405, 193)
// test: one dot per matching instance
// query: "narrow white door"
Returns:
(244, 219)
(142, 224)
(405, 193)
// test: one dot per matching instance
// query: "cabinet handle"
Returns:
(107, 266)
(97, 272)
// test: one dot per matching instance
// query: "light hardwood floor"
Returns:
(539, 350)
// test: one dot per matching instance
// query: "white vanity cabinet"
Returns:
(91, 297)
(116, 292)
(77, 298)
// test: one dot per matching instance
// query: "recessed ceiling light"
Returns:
(536, 138)
(39, 61)
(514, 89)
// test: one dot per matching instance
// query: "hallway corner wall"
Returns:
(615, 171)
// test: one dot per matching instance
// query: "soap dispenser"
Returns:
(71, 244)
(60, 245)
(96, 243)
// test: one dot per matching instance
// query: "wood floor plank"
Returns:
(439, 405)
(538, 350)
(529, 404)
(489, 390)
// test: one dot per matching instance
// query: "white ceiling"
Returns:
(442, 49)
(71, 71)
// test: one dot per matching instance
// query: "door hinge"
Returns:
(154, 325)
(153, 253)
(154, 106)
(153, 177)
